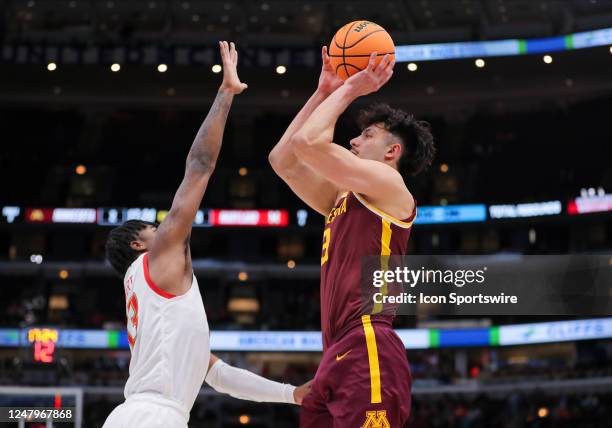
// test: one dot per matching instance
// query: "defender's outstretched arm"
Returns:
(317, 192)
(243, 384)
(169, 256)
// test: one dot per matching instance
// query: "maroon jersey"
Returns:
(353, 229)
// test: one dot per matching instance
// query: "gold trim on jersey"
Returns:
(375, 396)
(384, 215)
(385, 252)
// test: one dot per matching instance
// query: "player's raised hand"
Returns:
(373, 77)
(229, 57)
(328, 80)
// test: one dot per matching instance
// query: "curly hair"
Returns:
(416, 136)
(119, 252)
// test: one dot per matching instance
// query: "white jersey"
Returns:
(169, 339)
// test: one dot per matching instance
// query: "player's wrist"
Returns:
(226, 89)
(349, 93)
(323, 92)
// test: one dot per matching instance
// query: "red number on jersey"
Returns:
(132, 318)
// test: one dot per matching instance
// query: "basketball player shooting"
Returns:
(363, 379)
(166, 323)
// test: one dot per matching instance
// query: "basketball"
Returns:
(352, 45)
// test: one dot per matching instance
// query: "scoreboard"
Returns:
(43, 341)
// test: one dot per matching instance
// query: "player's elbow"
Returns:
(279, 163)
(274, 159)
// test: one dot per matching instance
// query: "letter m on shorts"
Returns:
(376, 419)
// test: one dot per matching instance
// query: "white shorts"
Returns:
(146, 411)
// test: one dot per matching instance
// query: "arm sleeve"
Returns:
(243, 384)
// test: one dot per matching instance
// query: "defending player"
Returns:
(363, 379)
(167, 327)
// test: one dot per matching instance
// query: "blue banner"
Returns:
(451, 214)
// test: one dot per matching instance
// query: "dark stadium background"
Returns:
(515, 131)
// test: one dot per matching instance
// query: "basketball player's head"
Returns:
(126, 242)
(394, 137)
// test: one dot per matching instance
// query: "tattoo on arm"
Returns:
(207, 143)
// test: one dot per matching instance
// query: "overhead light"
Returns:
(216, 68)
(480, 63)
(444, 168)
(52, 66)
(243, 276)
(63, 274)
(532, 236)
(244, 419)
(58, 302)
(80, 169)
(611, 49)
(115, 67)
(243, 304)
(243, 171)
(281, 69)
(547, 59)
(291, 264)
(412, 67)
(162, 68)
(36, 258)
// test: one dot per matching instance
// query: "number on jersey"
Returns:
(131, 310)
(326, 239)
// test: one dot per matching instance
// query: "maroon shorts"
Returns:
(363, 381)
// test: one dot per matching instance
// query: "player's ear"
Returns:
(138, 245)
(393, 151)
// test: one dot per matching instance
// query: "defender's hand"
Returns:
(372, 78)
(328, 80)
(229, 57)
(300, 392)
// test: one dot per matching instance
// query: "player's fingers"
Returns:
(387, 76)
(391, 65)
(234, 54)
(223, 50)
(228, 52)
(372, 61)
(324, 55)
(382, 65)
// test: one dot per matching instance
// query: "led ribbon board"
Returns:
(512, 47)
(310, 341)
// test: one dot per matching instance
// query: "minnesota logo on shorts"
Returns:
(376, 419)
